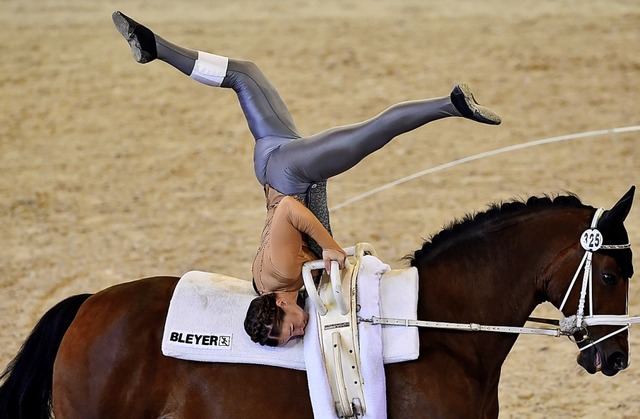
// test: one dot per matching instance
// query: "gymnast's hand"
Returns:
(331, 254)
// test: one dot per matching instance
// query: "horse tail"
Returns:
(28, 379)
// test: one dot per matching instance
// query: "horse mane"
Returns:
(471, 222)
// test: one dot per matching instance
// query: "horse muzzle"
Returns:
(595, 360)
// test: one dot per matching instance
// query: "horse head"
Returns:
(597, 288)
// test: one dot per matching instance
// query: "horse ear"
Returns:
(620, 210)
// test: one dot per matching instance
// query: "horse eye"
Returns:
(609, 279)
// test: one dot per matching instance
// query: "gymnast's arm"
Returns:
(305, 222)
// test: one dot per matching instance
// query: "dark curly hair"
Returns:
(263, 322)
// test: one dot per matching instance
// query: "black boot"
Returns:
(466, 104)
(140, 38)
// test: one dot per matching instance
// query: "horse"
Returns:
(99, 356)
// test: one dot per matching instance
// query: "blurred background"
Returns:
(111, 170)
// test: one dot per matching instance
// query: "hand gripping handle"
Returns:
(336, 285)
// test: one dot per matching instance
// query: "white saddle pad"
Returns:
(205, 323)
(207, 311)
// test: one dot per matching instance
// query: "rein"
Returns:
(591, 241)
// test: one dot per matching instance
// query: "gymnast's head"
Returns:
(274, 319)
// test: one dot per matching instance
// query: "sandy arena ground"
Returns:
(111, 171)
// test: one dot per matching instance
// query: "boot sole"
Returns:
(481, 113)
(125, 29)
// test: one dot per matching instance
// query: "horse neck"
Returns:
(495, 276)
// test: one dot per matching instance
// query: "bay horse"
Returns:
(98, 356)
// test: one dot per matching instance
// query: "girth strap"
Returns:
(336, 307)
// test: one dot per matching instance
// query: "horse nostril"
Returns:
(618, 360)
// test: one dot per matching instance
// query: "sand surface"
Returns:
(111, 171)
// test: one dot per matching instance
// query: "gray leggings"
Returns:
(290, 162)
(297, 165)
(283, 158)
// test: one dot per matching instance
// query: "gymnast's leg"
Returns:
(265, 110)
(268, 118)
(312, 159)
(266, 113)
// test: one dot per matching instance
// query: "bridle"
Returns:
(591, 241)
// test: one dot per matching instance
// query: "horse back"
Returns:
(110, 365)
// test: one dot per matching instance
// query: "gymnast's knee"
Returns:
(243, 67)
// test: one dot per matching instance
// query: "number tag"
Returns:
(591, 240)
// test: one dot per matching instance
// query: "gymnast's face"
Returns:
(293, 323)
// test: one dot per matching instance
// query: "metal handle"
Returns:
(362, 248)
(336, 286)
(336, 283)
(312, 291)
